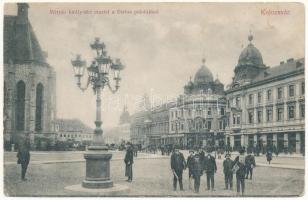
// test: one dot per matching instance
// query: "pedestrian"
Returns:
(250, 163)
(269, 157)
(210, 168)
(240, 171)
(23, 156)
(189, 166)
(178, 164)
(196, 165)
(228, 164)
(129, 160)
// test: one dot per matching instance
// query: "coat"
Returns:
(196, 165)
(129, 157)
(210, 164)
(239, 164)
(23, 155)
(250, 161)
(190, 162)
(228, 165)
(178, 163)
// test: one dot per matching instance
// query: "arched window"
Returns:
(20, 105)
(39, 107)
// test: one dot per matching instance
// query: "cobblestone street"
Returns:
(152, 177)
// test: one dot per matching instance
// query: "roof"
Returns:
(283, 69)
(203, 75)
(72, 125)
(20, 43)
(250, 56)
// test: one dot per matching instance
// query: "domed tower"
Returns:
(250, 63)
(203, 82)
(203, 75)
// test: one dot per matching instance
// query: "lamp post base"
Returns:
(97, 168)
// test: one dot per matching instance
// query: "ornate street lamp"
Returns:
(97, 156)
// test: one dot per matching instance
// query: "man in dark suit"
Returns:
(210, 168)
(228, 165)
(190, 166)
(23, 156)
(178, 164)
(250, 163)
(129, 160)
(196, 167)
(240, 170)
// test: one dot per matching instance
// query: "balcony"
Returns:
(280, 101)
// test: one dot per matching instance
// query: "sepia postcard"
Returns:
(177, 99)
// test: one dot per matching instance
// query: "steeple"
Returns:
(250, 37)
(22, 13)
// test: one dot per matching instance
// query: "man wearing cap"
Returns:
(178, 164)
(228, 164)
(250, 163)
(210, 168)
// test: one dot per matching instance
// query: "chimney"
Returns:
(290, 60)
(22, 13)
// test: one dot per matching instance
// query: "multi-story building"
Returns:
(29, 83)
(198, 118)
(195, 118)
(72, 130)
(266, 105)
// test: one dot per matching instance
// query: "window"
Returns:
(209, 125)
(238, 119)
(237, 101)
(279, 93)
(302, 107)
(220, 125)
(228, 103)
(291, 111)
(259, 97)
(250, 117)
(269, 114)
(60, 135)
(291, 90)
(251, 99)
(259, 116)
(279, 114)
(269, 95)
(222, 111)
(39, 107)
(20, 105)
(234, 119)
(303, 88)
(209, 111)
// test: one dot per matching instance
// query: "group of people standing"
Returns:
(199, 163)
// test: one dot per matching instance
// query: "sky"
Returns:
(160, 50)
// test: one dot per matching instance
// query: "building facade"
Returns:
(195, 118)
(29, 83)
(266, 105)
(72, 130)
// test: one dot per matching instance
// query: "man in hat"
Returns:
(250, 163)
(240, 170)
(23, 156)
(129, 160)
(210, 168)
(228, 164)
(178, 164)
(190, 166)
(196, 171)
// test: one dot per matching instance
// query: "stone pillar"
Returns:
(298, 143)
(242, 140)
(275, 139)
(255, 140)
(285, 140)
(232, 141)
